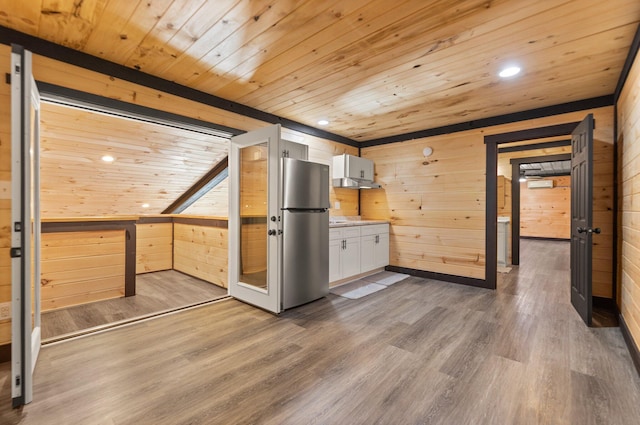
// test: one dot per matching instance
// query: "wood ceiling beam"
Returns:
(200, 188)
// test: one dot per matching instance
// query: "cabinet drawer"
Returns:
(374, 229)
(335, 234)
(351, 232)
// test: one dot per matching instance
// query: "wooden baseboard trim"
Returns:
(5, 353)
(631, 345)
(469, 281)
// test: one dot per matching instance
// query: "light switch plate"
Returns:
(5, 311)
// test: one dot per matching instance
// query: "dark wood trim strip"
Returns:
(64, 95)
(533, 133)
(469, 281)
(211, 179)
(538, 238)
(580, 105)
(545, 145)
(129, 227)
(93, 63)
(5, 353)
(631, 345)
(130, 260)
(628, 63)
(515, 213)
(83, 226)
(491, 217)
(155, 219)
(207, 222)
(543, 158)
(616, 180)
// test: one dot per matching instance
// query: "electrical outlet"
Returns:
(5, 311)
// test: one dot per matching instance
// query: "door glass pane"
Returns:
(253, 214)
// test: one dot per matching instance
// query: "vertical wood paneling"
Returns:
(201, 251)
(546, 213)
(81, 267)
(629, 193)
(154, 247)
(436, 204)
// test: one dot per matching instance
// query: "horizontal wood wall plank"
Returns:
(79, 267)
(154, 247)
(201, 252)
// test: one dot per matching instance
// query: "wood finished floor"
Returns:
(420, 352)
(155, 292)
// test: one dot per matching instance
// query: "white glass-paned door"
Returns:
(25, 226)
(255, 218)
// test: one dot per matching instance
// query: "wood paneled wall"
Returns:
(546, 213)
(59, 73)
(436, 205)
(320, 150)
(201, 251)
(5, 192)
(629, 195)
(80, 267)
(154, 247)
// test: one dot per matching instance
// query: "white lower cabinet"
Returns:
(344, 252)
(357, 249)
(374, 247)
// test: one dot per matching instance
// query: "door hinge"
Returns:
(7, 78)
(17, 226)
(16, 252)
(18, 381)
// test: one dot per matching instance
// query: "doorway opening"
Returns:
(108, 174)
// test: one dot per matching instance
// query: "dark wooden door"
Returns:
(582, 217)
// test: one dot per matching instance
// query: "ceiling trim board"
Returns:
(628, 63)
(75, 98)
(51, 50)
(534, 133)
(200, 188)
(544, 145)
(563, 108)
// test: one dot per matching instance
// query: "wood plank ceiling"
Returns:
(373, 68)
(153, 164)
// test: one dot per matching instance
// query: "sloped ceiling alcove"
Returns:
(153, 164)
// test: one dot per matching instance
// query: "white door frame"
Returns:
(269, 298)
(25, 226)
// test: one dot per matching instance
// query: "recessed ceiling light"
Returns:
(145, 205)
(108, 158)
(509, 71)
(323, 122)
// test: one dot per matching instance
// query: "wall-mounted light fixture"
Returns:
(427, 151)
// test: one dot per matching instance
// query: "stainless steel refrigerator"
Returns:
(305, 231)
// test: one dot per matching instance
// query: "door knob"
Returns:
(271, 232)
(588, 230)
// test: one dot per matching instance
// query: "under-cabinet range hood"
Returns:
(353, 172)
